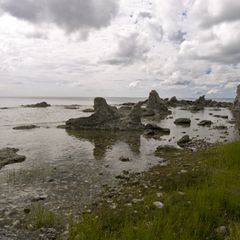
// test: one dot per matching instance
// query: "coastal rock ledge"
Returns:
(9, 156)
(107, 117)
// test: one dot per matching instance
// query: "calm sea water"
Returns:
(80, 163)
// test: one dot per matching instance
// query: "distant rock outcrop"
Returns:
(236, 104)
(107, 117)
(38, 105)
(9, 156)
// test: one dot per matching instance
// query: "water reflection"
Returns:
(105, 140)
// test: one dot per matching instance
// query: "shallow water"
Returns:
(70, 167)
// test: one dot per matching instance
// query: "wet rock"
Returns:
(25, 127)
(62, 126)
(124, 159)
(9, 156)
(38, 105)
(88, 110)
(184, 140)
(221, 116)
(107, 117)
(165, 148)
(205, 123)
(3, 108)
(151, 129)
(183, 121)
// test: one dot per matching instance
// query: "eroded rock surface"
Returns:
(9, 156)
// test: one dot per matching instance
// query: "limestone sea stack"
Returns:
(156, 103)
(155, 106)
(236, 104)
(106, 117)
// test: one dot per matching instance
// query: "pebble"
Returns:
(158, 205)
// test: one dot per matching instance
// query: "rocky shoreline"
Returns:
(129, 117)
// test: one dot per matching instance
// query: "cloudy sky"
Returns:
(119, 47)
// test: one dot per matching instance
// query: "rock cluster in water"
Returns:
(9, 156)
(106, 117)
(38, 105)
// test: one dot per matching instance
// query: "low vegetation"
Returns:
(200, 202)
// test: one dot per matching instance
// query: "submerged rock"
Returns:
(25, 127)
(9, 156)
(107, 117)
(182, 121)
(152, 129)
(88, 110)
(38, 105)
(205, 123)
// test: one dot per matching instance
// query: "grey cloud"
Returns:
(145, 15)
(37, 35)
(178, 37)
(130, 49)
(70, 15)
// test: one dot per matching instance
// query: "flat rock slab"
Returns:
(25, 127)
(182, 121)
(9, 156)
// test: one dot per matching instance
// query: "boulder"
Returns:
(205, 123)
(182, 121)
(184, 140)
(38, 105)
(9, 156)
(106, 117)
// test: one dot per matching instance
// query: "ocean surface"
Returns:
(71, 168)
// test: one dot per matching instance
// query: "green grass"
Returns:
(211, 199)
(42, 217)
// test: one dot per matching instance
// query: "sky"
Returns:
(119, 48)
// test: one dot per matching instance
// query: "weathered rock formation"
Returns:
(156, 104)
(107, 117)
(205, 123)
(236, 104)
(9, 156)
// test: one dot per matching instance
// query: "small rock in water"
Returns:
(182, 121)
(184, 140)
(25, 127)
(158, 205)
(124, 159)
(205, 123)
